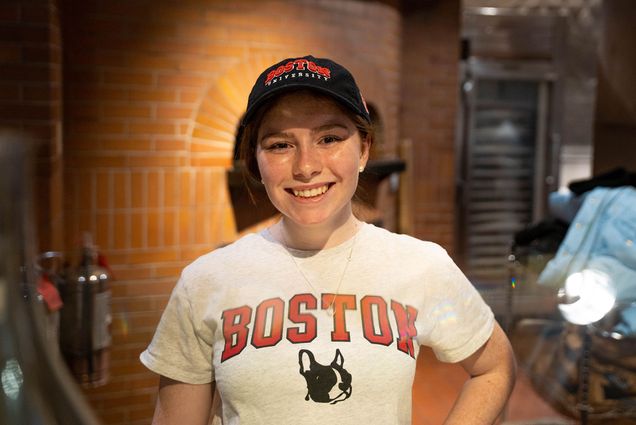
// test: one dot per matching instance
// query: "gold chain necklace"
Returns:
(330, 310)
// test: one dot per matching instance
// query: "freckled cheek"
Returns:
(346, 162)
(272, 170)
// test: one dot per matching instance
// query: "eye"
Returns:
(330, 139)
(277, 146)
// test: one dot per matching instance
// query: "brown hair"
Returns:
(249, 134)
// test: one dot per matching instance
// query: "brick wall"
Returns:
(153, 93)
(430, 51)
(31, 101)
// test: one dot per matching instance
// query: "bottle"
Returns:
(35, 386)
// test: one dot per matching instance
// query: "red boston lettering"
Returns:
(300, 64)
(405, 319)
(268, 334)
(340, 304)
(294, 334)
(301, 324)
(384, 336)
(324, 71)
(235, 330)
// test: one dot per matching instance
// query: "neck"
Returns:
(315, 237)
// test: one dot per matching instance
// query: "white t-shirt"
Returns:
(245, 317)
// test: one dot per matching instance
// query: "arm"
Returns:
(181, 403)
(492, 371)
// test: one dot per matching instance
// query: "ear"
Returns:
(305, 359)
(338, 359)
(365, 149)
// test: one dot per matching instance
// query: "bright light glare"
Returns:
(596, 297)
(12, 379)
(491, 11)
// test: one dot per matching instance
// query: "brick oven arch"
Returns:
(222, 107)
(213, 139)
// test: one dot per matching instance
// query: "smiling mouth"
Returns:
(310, 193)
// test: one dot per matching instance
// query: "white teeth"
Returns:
(310, 193)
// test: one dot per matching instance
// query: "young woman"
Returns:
(319, 318)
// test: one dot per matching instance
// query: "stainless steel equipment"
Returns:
(85, 336)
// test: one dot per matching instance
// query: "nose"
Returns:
(307, 162)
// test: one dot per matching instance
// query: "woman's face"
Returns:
(309, 153)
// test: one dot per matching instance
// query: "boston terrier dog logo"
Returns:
(325, 384)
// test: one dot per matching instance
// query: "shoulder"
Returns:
(226, 258)
(408, 256)
(395, 245)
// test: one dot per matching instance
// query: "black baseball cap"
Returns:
(323, 75)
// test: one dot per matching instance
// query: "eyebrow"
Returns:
(329, 126)
(318, 129)
(278, 134)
